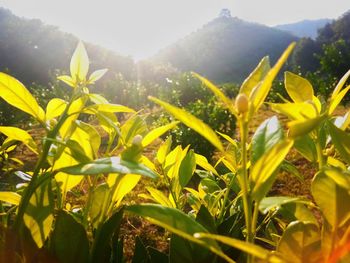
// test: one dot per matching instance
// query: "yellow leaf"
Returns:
(258, 95)
(96, 75)
(156, 133)
(337, 99)
(14, 93)
(159, 197)
(256, 76)
(203, 162)
(296, 111)
(73, 113)
(107, 108)
(68, 80)
(55, 108)
(164, 150)
(218, 93)
(19, 135)
(88, 138)
(124, 184)
(192, 122)
(10, 197)
(303, 127)
(298, 88)
(79, 64)
(340, 85)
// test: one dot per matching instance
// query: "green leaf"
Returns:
(218, 93)
(187, 168)
(79, 64)
(301, 243)
(329, 189)
(256, 76)
(156, 133)
(176, 222)
(192, 122)
(298, 211)
(302, 127)
(140, 252)
(38, 216)
(275, 202)
(18, 134)
(14, 93)
(298, 88)
(67, 79)
(132, 127)
(268, 134)
(156, 256)
(99, 201)
(10, 197)
(306, 147)
(259, 94)
(249, 248)
(101, 249)
(55, 108)
(109, 165)
(96, 75)
(341, 141)
(263, 171)
(69, 242)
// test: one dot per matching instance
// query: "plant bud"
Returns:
(137, 140)
(242, 103)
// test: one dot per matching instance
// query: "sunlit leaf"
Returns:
(340, 85)
(266, 136)
(55, 108)
(203, 162)
(10, 197)
(296, 111)
(68, 80)
(38, 216)
(19, 135)
(157, 132)
(79, 64)
(14, 93)
(256, 76)
(164, 150)
(301, 243)
(192, 122)
(73, 114)
(337, 99)
(89, 139)
(122, 185)
(187, 167)
(259, 94)
(275, 202)
(159, 197)
(109, 165)
(302, 127)
(99, 203)
(218, 93)
(298, 88)
(107, 107)
(249, 248)
(341, 141)
(96, 75)
(262, 173)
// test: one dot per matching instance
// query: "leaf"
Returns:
(159, 197)
(10, 197)
(301, 243)
(341, 141)
(156, 256)
(88, 137)
(268, 134)
(340, 85)
(14, 93)
(69, 242)
(192, 122)
(109, 165)
(122, 185)
(176, 222)
(329, 189)
(275, 202)
(38, 216)
(101, 248)
(296, 111)
(67, 79)
(79, 64)
(107, 108)
(99, 203)
(132, 127)
(18, 134)
(262, 173)
(164, 150)
(96, 75)
(155, 133)
(303, 127)
(256, 76)
(218, 93)
(55, 108)
(258, 95)
(140, 252)
(298, 211)
(337, 99)
(187, 168)
(298, 88)
(306, 147)
(203, 162)
(249, 248)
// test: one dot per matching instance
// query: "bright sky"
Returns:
(141, 27)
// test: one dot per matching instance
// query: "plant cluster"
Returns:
(212, 216)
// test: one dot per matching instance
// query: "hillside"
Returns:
(305, 28)
(226, 49)
(33, 51)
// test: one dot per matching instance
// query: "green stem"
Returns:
(247, 204)
(320, 157)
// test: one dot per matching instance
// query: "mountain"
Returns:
(226, 49)
(305, 28)
(33, 52)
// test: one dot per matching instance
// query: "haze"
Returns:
(139, 28)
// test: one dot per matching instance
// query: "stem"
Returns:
(320, 158)
(228, 190)
(247, 204)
